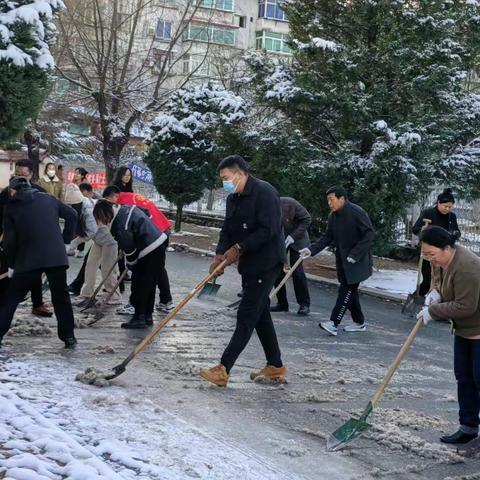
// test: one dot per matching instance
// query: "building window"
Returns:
(164, 30)
(271, 9)
(213, 34)
(218, 4)
(272, 42)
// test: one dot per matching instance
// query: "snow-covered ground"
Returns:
(400, 282)
(159, 420)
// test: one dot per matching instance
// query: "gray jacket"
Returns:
(296, 221)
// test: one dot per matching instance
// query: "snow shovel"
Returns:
(353, 428)
(119, 369)
(289, 273)
(210, 289)
(414, 300)
(90, 302)
(99, 314)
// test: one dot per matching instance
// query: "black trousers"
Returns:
(144, 282)
(347, 299)
(80, 278)
(426, 278)
(163, 282)
(300, 284)
(254, 314)
(467, 374)
(19, 286)
(36, 290)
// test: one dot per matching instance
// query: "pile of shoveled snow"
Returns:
(35, 448)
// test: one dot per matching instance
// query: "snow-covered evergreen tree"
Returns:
(188, 139)
(26, 30)
(379, 88)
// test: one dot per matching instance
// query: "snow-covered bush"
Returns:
(188, 138)
(26, 31)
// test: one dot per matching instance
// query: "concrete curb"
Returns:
(374, 292)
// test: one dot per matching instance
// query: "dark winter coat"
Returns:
(135, 233)
(32, 237)
(351, 232)
(4, 196)
(296, 221)
(253, 219)
(448, 221)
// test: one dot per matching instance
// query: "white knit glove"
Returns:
(305, 253)
(351, 260)
(432, 298)
(10, 273)
(288, 241)
(425, 316)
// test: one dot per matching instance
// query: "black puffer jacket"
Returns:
(135, 233)
(32, 236)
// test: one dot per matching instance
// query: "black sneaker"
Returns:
(279, 308)
(72, 290)
(136, 322)
(70, 343)
(303, 311)
(458, 438)
(149, 320)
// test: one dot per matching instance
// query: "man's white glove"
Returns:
(351, 260)
(432, 298)
(305, 253)
(10, 273)
(288, 241)
(424, 315)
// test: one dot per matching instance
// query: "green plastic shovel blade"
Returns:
(210, 289)
(350, 430)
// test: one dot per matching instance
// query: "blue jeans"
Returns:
(467, 373)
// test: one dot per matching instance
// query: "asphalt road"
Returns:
(285, 427)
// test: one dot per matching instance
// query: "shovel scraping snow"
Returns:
(353, 428)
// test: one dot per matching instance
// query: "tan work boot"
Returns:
(270, 373)
(216, 375)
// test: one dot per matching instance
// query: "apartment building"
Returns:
(218, 33)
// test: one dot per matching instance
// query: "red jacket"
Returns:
(158, 218)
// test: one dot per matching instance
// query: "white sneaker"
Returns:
(126, 309)
(165, 307)
(355, 327)
(329, 327)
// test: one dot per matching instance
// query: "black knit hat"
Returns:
(446, 196)
(19, 183)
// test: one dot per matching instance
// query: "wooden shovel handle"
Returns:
(393, 367)
(286, 277)
(426, 223)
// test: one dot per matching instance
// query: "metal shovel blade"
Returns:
(210, 289)
(349, 431)
(412, 303)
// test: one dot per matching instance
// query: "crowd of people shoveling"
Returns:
(125, 236)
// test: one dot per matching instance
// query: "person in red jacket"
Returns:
(113, 194)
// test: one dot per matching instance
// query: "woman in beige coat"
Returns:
(51, 183)
(455, 296)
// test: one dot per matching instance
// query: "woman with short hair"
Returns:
(455, 295)
(50, 181)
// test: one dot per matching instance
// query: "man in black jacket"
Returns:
(33, 243)
(296, 221)
(24, 168)
(351, 232)
(251, 235)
